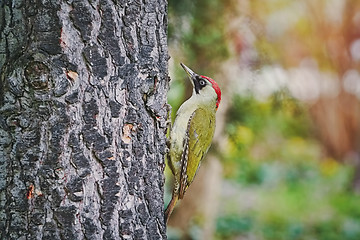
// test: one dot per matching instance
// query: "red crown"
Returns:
(217, 90)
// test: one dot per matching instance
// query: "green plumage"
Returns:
(191, 134)
(200, 133)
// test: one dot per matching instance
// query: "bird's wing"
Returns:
(199, 134)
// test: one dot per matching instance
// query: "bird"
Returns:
(191, 134)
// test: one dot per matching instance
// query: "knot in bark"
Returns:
(37, 74)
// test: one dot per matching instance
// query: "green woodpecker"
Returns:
(192, 133)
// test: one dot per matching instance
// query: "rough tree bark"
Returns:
(83, 115)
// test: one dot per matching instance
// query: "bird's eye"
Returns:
(202, 82)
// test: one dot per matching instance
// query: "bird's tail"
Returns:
(170, 207)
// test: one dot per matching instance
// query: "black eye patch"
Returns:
(199, 84)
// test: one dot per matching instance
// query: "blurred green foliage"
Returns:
(273, 160)
(278, 183)
(197, 28)
(272, 130)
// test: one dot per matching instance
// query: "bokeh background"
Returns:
(285, 160)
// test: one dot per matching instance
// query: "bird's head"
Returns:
(204, 87)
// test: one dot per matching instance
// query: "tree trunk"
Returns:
(83, 116)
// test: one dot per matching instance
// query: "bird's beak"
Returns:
(191, 73)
